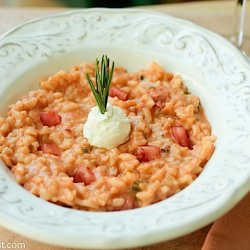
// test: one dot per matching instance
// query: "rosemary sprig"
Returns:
(103, 77)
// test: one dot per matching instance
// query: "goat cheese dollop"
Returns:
(107, 130)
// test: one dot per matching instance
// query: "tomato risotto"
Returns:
(42, 140)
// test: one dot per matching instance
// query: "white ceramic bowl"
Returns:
(212, 69)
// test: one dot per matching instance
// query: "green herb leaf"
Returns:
(186, 91)
(87, 149)
(103, 77)
(136, 186)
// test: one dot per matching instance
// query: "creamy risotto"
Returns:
(42, 141)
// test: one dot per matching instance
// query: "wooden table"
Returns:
(216, 16)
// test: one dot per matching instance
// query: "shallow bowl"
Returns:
(211, 68)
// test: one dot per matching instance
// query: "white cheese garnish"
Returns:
(107, 130)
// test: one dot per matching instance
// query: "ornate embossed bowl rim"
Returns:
(210, 66)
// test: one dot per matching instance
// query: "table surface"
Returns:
(216, 16)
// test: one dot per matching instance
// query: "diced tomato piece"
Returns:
(50, 118)
(51, 149)
(122, 95)
(148, 153)
(129, 203)
(159, 96)
(180, 135)
(84, 175)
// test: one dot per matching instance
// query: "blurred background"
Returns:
(84, 3)
(220, 16)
